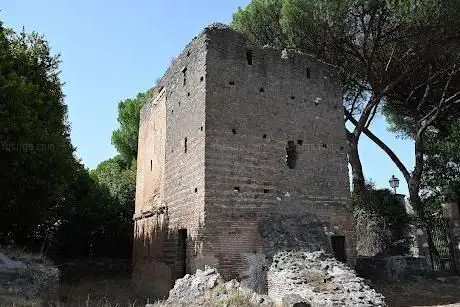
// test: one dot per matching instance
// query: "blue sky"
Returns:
(111, 50)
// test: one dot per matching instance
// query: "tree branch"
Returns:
(452, 97)
(428, 119)
(353, 104)
(384, 147)
(374, 101)
(419, 162)
(371, 118)
(389, 60)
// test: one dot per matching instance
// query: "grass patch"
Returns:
(236, 298)
(317, 279)
(100, 293)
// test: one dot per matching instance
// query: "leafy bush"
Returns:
(381, 223)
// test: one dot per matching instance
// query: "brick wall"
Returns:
(253, 110)
(151, 163)
(236, 118)
(176, 181)
(153, 257)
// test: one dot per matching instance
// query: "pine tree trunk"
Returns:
(357, 174)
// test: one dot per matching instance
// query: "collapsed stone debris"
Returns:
(319, 280)
(294, 279)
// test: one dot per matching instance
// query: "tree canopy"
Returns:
(399, 56)
(36, 155)
(381, 47)
(376, 44)
(125, 138)
(119, 180)
(48, 199)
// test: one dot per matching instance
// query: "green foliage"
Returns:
(125, 138)
(117, 176)
(374, 42)
(382, 204)
(94, 223)
(260, 21)
(357, 35)
(387, 52)
(418, 98)
(48, 200)
(107, 224)
(442, 170)
(36, 155)
(120, 182)
(382, 211)
(425, 108)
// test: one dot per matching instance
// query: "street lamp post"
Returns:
(394, 182)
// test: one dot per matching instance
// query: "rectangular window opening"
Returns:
(151, 165)
(184, 71)
(181, 252)
(338, 247)
(185, 145)
(291, 154)
(249, 56)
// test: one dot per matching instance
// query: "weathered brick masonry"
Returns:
(237, 135)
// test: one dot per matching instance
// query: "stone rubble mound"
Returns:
(319, 280)
(208, 288)
(27, 276)
(294, 279)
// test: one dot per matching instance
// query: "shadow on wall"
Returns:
(160, 254)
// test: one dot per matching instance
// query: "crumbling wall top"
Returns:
(217, 26)
(221, 32)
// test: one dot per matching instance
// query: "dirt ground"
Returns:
(110, 292)
(100, 285)
(422, 292)
(100, 293)
(118, 292)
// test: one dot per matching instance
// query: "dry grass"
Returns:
(100, 293)
(13, 300)
(118, 293)
(236, 298)
(16, 253)
(218, 297)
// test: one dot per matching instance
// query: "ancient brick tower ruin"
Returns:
(236, 136)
